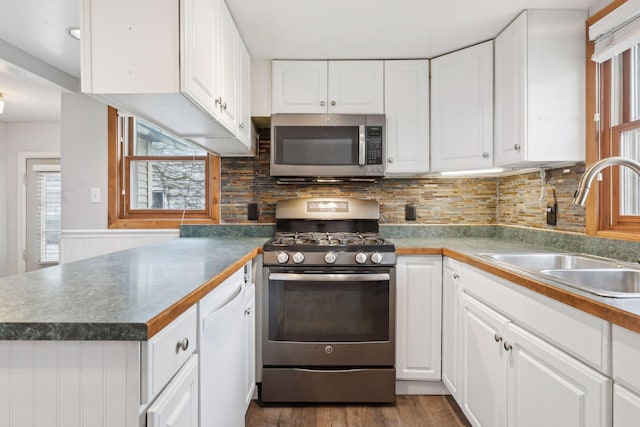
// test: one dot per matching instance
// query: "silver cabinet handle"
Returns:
(224, 106)
(485, 155)
(497, 337)
(517, 147)
(390, 160)
(241, 125)
(247, 311)
(218, 100)
(507, 346)
(333, 103)
(322, 103)
(182, 345)
(456, 276)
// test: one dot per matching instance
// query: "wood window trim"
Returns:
(118, 217)
(597, 209)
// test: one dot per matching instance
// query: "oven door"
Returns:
(329, 318)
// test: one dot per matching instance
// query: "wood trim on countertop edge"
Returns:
(609, 313)
(604, 311)
(158, 322)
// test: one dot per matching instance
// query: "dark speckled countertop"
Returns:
(130, 295)
(114, 296)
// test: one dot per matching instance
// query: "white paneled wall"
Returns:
(81, 244)
(70, 383)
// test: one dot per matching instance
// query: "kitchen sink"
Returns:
(607, 282)
(550, 261)
(599, 276)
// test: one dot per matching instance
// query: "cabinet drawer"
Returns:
(166, 352)
(584, 336)
(626, 354)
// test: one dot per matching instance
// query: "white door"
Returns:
(462, 109)
(356, 87)
(299, 87)
(177, 405)
(228, 69)
(484, 398)
(451, 326)
(510, 92)
(250, 341)
(199, 38)
(406, 103)
(626, 407)
(547, 387)
(418, 317)
(43, 213)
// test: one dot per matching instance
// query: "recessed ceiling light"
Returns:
(74, 32)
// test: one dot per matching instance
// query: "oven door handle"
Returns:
(362, 150)
(301, 277)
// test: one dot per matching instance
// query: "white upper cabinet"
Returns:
(462, 109)
(178, 67)
(539, 92)
(333, 87)
(406, 104)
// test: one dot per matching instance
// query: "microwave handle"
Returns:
(361, 146)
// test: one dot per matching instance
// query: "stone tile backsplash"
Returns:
(507, 200)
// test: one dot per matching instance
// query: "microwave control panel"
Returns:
(374, 146)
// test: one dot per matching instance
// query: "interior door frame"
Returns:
(22, 199)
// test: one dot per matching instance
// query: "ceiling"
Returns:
(282, 29)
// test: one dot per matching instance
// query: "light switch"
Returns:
(96, 197)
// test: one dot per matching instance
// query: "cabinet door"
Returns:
(177, 405)
(250, 341)
(451, 325)
(299, 87)
(244, 117)
(547, 387)
(510, 92)
(199, 41)
(484, 398)
(418, 317)
(462, 109)
(228, 69)
(356, 87)
(626, 407)
(407, 109)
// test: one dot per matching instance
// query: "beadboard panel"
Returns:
(70, 383)
(80, 244)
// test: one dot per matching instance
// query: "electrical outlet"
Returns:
(96, 197)
(552, 212)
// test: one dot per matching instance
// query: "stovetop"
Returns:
(327, 239)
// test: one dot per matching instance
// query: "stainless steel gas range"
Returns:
(328, 304)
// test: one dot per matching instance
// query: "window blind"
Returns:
(616, 32)
(49, 212)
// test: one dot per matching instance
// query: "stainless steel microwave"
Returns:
(327, 145)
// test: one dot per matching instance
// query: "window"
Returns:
(613, 74)
(157, 180)
(48, 213)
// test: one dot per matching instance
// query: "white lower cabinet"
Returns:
(451, 325)
(250, 342)
(177, 405)
(626, 377)
(513, 378)
(418, 317)
(626, 407)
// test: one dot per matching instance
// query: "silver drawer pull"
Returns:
(497, 337)
(182, 345)
(507, 346)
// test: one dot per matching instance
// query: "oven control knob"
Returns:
(298, 257)
(282, 257)
(330, 257)
(361, 257)
(376, 258)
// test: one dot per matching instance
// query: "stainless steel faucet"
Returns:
(592, 171)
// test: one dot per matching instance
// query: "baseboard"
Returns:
(421, 387)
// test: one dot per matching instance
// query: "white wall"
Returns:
(84, 162)
(3, 200)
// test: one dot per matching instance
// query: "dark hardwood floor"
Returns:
(408, 411)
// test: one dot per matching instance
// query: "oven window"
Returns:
(316, 145)
(343, 311)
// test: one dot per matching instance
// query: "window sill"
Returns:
(158, 223)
